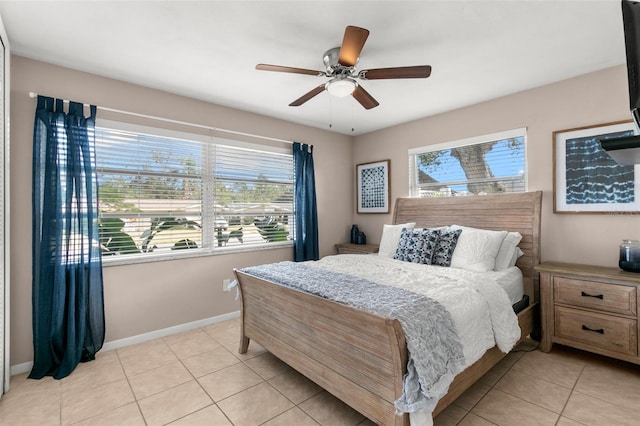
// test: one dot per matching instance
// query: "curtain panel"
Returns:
(305, 244)
(67, 299)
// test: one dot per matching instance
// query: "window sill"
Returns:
(109, 261)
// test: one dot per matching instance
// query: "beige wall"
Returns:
(594, 98)
(146, 297)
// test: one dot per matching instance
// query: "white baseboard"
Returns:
(21, 368)
(140, 338)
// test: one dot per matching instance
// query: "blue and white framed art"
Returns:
(373, 187)
(586, 179)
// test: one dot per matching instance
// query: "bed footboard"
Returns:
(357, 356)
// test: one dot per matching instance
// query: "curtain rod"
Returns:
(184, 123)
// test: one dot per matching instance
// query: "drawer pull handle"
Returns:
(597, 296)
(600, 330)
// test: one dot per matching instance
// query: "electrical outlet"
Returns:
(225, 284)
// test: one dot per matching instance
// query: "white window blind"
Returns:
(482, 165)
(182, 195)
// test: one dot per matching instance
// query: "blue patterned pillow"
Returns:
(444, 247)
(417, 246)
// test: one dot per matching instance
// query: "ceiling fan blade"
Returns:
(310, 94)
(279, 68)
(352, 44)
(365, 99)
(418, 71)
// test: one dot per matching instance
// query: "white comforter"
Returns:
(480, 308)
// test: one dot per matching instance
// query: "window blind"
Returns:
(484, 165)
(166, 194)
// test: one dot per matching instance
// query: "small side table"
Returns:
(593, 308)
(348, 248)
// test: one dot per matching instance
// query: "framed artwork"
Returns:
(373, 187)
(586, 179)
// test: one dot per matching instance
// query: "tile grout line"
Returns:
(573, 389)
(244, 363)
(483, 396)
(135, 398)
(60, 397)
(490, 389)
(268, 382)
(534, 403)
(213, 402)
(96, 387)
(494, 387)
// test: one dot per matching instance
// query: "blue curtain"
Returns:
(67, 299)
(305, 245)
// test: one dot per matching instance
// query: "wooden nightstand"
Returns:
(348, 248)
(593, 308)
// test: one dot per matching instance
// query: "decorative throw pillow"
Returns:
(445, 246)
(507, 250)
(391, 237)
(416, 246)
(477, 249)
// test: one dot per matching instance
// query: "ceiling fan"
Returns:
(340, 63)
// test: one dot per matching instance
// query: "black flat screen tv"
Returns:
(626, 150)
(631, 23)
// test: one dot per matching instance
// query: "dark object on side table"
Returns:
(354, 234)
(630, 255)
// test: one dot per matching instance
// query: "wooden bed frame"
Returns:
(360, 357)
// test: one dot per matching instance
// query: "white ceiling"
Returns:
(208, 50)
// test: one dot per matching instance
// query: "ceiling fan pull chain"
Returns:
(352, 119)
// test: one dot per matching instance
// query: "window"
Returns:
(179, 194)
(481, 165)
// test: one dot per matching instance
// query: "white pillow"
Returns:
(477, 249)
(507, 250)
(516, 255)
(390, 238)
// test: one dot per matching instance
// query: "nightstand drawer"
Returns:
(614, 298)
(603, 331)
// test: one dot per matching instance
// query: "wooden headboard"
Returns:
(517, 212)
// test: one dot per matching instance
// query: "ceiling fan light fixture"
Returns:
(341, 87)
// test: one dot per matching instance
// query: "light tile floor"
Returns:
(198, 378)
